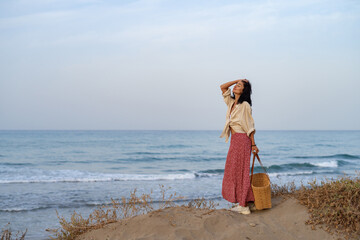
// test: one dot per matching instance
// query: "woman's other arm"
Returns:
(253, 148)
(247, 123)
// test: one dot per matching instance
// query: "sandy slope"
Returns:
(285, 220)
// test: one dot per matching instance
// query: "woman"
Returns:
(236, 186)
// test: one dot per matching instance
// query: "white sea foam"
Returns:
(290, 173)
(332, 163)
(35, 175)
(16, 209)
(52, 176)
(206, 174)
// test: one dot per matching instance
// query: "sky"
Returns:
(158, 65)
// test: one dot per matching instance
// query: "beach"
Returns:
(284, 221)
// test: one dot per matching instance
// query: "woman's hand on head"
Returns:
(254, 149)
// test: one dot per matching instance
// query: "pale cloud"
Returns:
(96, 60)
(37, 19)
(200, 23)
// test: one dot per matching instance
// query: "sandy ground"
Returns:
(284, 221)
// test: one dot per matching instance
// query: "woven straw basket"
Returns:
(260, 184)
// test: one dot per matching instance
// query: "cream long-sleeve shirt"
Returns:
(240, 119)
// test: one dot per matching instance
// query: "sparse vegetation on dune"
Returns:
(333, 205)
(285, 190)
(133, 206)
(6, 234)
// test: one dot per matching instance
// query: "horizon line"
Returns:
(173, 130)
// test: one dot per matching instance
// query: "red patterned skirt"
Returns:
(236, 186)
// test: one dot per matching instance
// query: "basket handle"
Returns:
(252, 169)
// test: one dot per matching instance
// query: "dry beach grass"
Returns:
(335, 203)
(133, 206)
(7, 234)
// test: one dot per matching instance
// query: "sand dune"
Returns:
(284, 221)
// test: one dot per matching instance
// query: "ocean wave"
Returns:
(19, 209)
(165, 158)
(142, 159)
(55, 176)
(52, 205)
(299, 173)
(333, 164)
(104, 178)
(21, 174)
(15, 164)
(288, 166)
(328, 164)
(291, 173)
(213, 171)
(171, 146)
(202, 174)
(342, 156)
(143, 153)
(323, 145)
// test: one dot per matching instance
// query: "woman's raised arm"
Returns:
(225, 86)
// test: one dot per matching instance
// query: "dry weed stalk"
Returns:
(202, 203)
(6, 234)
(285, 190)
(170, 201)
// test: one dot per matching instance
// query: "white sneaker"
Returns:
(240, 209)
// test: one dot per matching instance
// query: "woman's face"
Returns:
(238, 88)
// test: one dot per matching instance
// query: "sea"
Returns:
(44, 172)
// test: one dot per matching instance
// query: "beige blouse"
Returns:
(240, 120)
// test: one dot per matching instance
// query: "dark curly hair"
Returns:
(246, 94)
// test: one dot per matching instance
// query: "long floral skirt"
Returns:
(236, 186)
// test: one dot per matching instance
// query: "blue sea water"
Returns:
(42, 172)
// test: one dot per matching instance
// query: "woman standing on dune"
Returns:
(236, 186)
